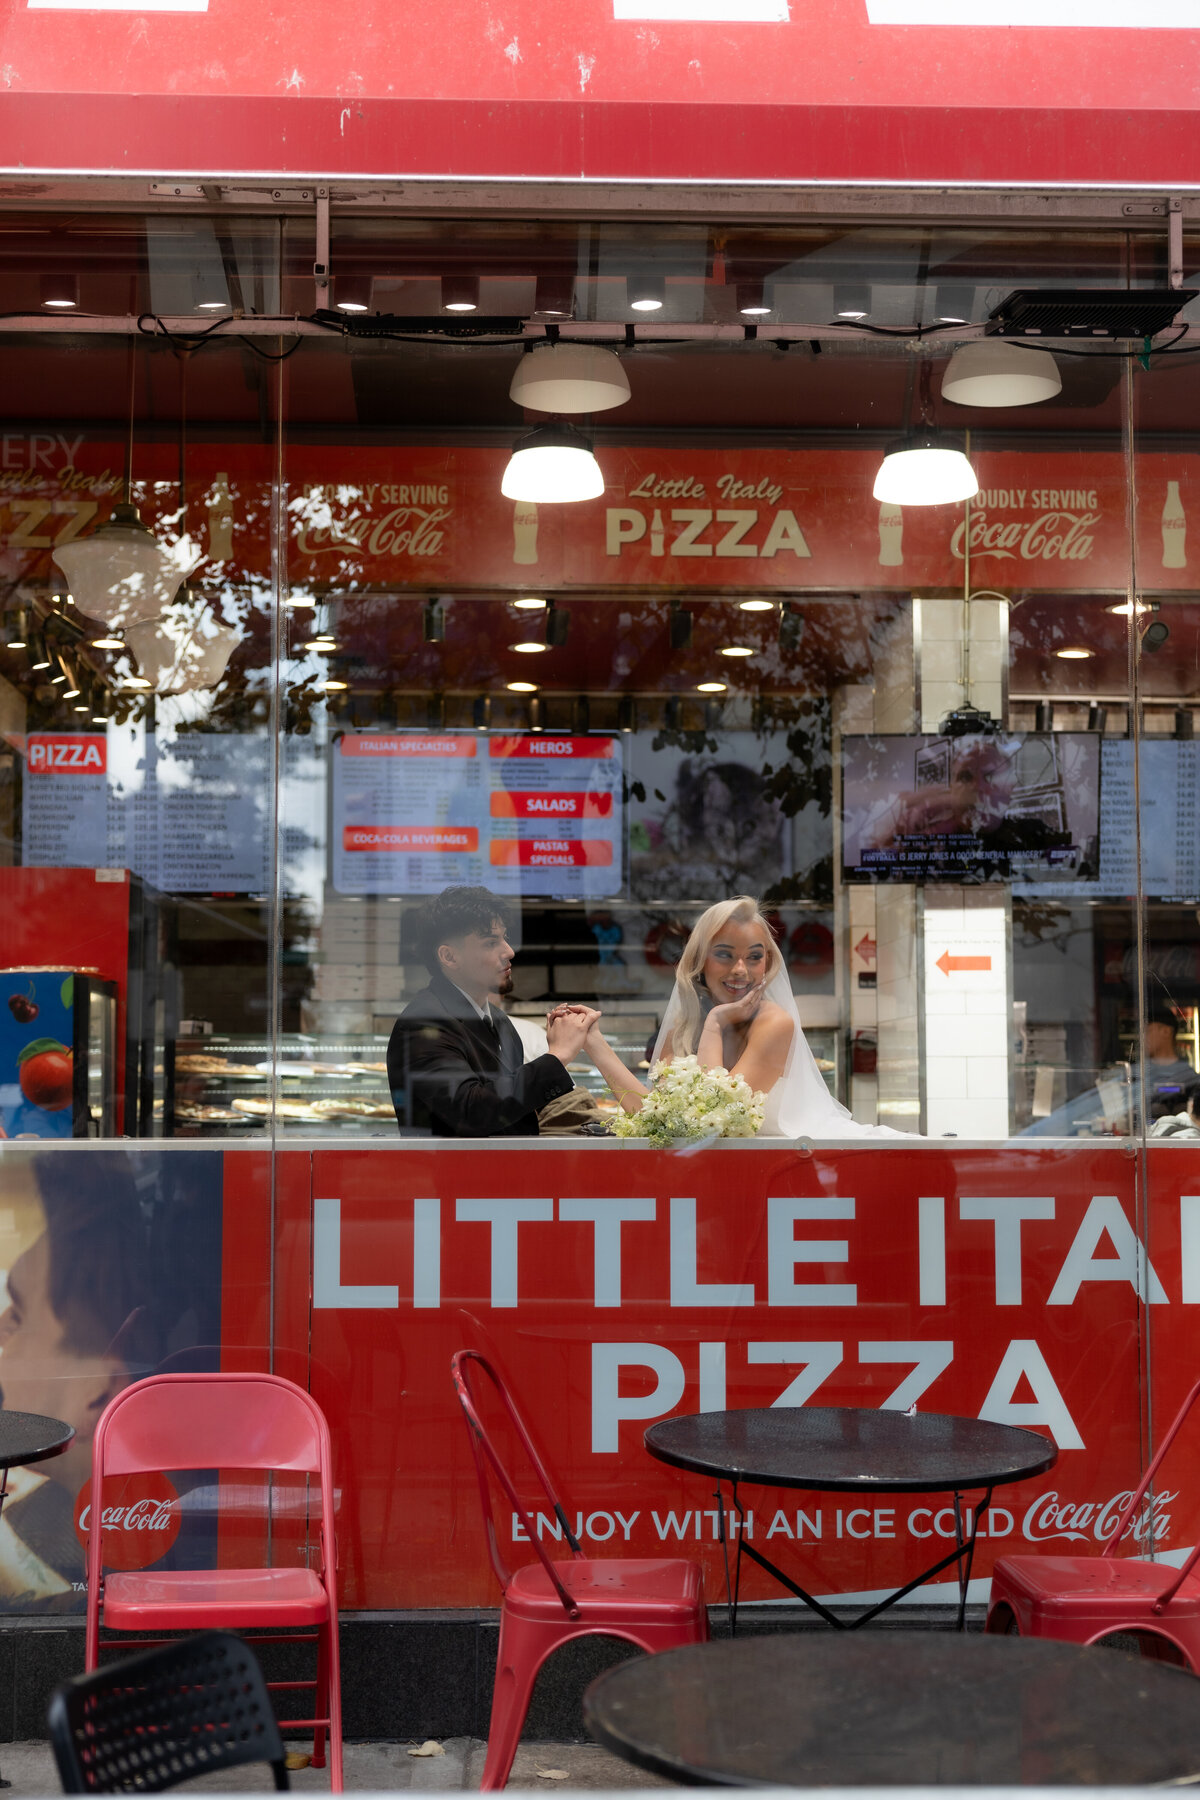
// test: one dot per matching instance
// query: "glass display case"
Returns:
(228, 1086)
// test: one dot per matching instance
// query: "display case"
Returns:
(225, 1086)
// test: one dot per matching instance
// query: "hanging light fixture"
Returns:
(460, 293)
(995, 373)
(924, 468)
(184, 651)
(569, 378)
(39, 656)
(121, 573)
(646, 293)
(551, 465)
(16, 631)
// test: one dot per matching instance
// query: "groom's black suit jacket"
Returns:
(452, 1075)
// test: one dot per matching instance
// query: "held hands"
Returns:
(567, 1029)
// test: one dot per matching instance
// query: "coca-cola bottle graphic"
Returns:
(656, 534)
(891, 535)
(525, 530)
(1174, 530)
(220, 520)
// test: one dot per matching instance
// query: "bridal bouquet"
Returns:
(687, 1101)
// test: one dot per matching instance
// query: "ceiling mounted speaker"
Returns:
(569, 378)
(992, 373)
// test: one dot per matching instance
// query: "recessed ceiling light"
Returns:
(521, 687)
(60, 291)
(108, 643)
(82, 707)
(324, 646)
(529, 649)
(710, 687)
(647, 293)
(751, 301)
(332, 687)
(1137, 607)
(352, 293)
(136, 681)
(460, 293)
(1075, 653)
(736, 650)
(298, 599)
(756, 606)
(529, 603)
(851, 300)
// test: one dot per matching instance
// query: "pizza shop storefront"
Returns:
(945, 736)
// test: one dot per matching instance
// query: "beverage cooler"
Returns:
(86, 1005)
(58, 1062)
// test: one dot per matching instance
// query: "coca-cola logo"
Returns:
(1049, 537)
(413, 524)
(1051, 1516)
(140, 1519)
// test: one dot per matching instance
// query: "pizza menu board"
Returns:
(532, 814)
(187, 812)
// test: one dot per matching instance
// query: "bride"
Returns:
(733, 1008)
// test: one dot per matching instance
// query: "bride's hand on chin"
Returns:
(740, 1011)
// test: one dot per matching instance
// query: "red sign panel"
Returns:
(760, 90)
(614, 1285)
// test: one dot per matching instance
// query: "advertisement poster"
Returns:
(111, 1265)
(535, 814)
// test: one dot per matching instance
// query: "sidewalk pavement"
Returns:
(381, 1768)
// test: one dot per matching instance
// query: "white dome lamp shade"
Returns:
(552, 465)
(924, 469)
(995, 373)
(569, 378)
(121, 573)
(183, 651)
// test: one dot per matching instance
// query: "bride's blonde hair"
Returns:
(741, 910)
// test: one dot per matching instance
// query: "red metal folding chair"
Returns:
(233, 1421)
(655, 1604)
(1090, 1599)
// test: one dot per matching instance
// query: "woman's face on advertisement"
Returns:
(736, 960)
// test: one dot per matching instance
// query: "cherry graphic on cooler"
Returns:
(23, 1007)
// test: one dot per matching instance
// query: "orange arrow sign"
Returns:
(865, 947)
(952, 965)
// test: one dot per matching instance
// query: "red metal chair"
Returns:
(1089, 1599)
(655, 1604)
(232, 1421)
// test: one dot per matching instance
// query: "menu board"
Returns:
(186, 811)
(531, 814)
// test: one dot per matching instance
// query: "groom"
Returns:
(455, 1063)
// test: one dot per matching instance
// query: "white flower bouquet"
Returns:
(686, 1101)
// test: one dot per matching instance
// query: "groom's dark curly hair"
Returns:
(455, 913)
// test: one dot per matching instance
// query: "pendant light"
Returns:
(121, 573)
(569, 378)
(552, 465)
(995, 373)
(924, 468)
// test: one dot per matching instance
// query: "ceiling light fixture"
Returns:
(137, 681)
(756, 606)
(17, 630)
(324, 646)
(529, 603)
(460, 293)
(39, 656)
(60, 290)
(924, 469)
(332, 687)
(481, 712)
(551, 466)
(211, 292)
(1135, 607)
(1074, 653)
(529, 648)
(353, 293)
(646, 293)
(851, 300)
(297, 598)
(993, 373)
(536, 721)
(952, 305)
(113, 640)
(521, 687)
(569, 378)
(554, 297)
(627, 713)
(711, 687)
(680, 627)
(433, 622)
(736, 650)
(751, 300)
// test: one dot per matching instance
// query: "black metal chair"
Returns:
(153, 1720)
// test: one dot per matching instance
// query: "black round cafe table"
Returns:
(893, 1708)
(853, 1450)
(30, 1438)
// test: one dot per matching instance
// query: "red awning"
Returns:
(879, 91)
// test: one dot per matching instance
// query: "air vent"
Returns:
(1090, 313)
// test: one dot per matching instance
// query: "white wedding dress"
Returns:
(799, 1104)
